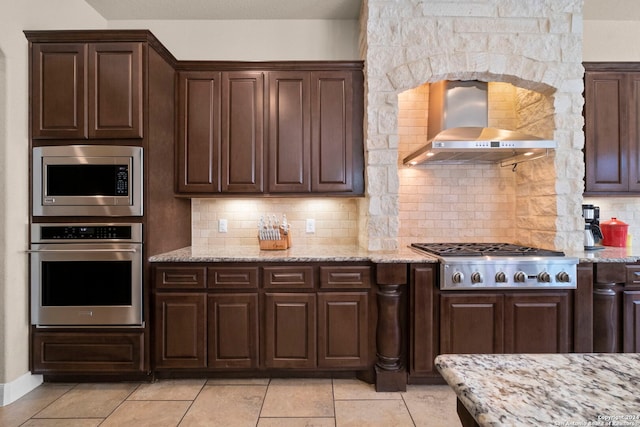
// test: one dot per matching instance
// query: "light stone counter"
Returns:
(609, 254)
(546, 389)
(293, 254)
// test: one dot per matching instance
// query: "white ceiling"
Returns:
(623, 10)
(227, 9)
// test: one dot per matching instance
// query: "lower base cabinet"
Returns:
(631, 321)
(505, 323)
(88, 353)
(239, 317)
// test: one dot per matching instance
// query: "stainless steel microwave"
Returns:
(87, 180)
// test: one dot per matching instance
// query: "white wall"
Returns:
(15, 17)
(253, 40)
(611, 41)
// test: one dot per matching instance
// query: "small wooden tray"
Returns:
(276, 245)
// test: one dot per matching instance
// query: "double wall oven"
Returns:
(86, 265)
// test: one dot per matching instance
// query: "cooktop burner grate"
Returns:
(483, 249)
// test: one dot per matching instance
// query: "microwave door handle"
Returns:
(78, 250)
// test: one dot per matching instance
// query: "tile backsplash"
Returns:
(336, 220)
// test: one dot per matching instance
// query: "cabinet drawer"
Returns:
(297, 277)
(633, 275)
(90, 352)
(180, 277)
(232, 277)
(345, 277)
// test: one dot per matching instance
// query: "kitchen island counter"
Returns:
(293, 254)
(545, 389)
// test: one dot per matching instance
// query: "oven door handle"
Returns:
(35, 251)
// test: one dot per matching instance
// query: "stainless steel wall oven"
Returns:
(86, 274)
(87, 180)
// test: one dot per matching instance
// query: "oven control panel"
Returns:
(86, 232)
(509, 273)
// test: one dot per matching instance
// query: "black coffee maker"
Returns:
(592, 232)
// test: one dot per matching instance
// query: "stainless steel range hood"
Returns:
(458, 131)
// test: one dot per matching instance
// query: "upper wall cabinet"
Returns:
(278, 128)
(87, 90)
(612, 138)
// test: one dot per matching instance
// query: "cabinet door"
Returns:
(115, 90)
(233, 330)
(423, 334)
(242, 131)
(290, 330)
(180, 330)
(471, 323)
(633, 102)
(332, 131)
(58, 90)
(289, 142)
(536, 323)
(342, 329)
(198, 132)
(631, 321)
(606, 132)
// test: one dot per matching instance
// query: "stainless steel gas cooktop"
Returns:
(467, 266)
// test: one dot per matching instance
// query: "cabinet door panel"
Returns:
(289, 141)
(342, 329)
(115, 90)
(58, 90)
(290, 330)
(242, 131)
(631, 322)
(233, 331)
(332, 132)
(199, 132)
(180, 330)
(633, 129)
(471, 324)
(537, 323)
(606, 132)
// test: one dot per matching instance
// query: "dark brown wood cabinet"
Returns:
(612, 138)
(471, 323)
(199, 133)
(180, 330)
(271, 128)
(616, 308)
(114, 88)
(87, 90)
(537, 323)
(245, 316)
(232, 338)
(290, 330)
(242, 132)
(505, 322)
(424, 312)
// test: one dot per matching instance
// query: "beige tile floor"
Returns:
(228, 403)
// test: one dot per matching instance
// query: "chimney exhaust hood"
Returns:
(458, 131)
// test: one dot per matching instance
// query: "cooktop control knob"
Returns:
(476, 277)
(563, 277)
(520, 277)
(501, 277)
(544, 277)
(458, 277)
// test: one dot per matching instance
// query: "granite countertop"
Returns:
(293, 254)
(349, 253)
(546, 389)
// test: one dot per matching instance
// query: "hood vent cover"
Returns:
(458, 131)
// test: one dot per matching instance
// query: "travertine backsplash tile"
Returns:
(336, 220)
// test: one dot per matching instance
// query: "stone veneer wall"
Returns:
(534, 45)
